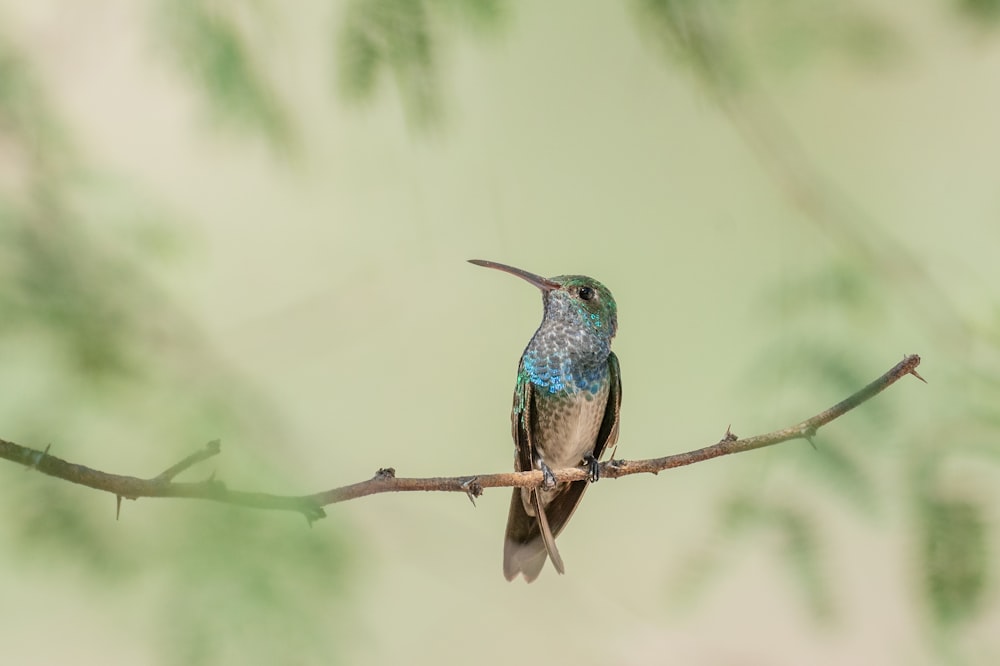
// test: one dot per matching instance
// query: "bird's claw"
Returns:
(593, 467)
(548, 478)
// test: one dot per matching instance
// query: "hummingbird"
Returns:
(567, 401)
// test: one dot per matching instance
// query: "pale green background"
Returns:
(329, 284)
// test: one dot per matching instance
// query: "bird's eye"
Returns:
(586, 293)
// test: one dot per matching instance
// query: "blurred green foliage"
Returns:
(401, 39)
(696, 35)
(258, 582)
(729, 47)
(979, 11)
(208, 43)
(85, 336)
(955, 558)
(53, 284)
(25, 116)
(392, 35)
(729, 44)
(102, 325)
(799, 542)
(954, 563)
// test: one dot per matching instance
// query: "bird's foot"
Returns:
(548, 478)
(593, 467)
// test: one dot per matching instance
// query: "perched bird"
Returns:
(566, 407)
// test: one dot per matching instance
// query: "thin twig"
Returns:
(211, 449)
(386, 481)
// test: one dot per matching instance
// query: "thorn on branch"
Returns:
(312, 512)
(473, 489)
(611, 468)
(730, 436)
(118, 506)
(215, 484)
(37, 458)
(913, 361)
(808, 434)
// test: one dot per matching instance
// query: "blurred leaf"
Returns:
(403, 39)
(870, 40)
(55, 285)
(391, 35)
(695, 33)
(833, 463)
(840, 287)
(802, 550)
(699, 568)
(955, 558)
(484, 16)
(221, 570)
(832, 368)
(981, 377)
(789, 34)
(724, 42)
(210, 47)
(821, 370)
(52, 526)
(359, 59)
(34, 142)
(238, 569)
(128, 217)
(102, 348)
(800, 542)
(983, 12)
(843, 295)
(23, 110)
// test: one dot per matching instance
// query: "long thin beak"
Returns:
(544, 284)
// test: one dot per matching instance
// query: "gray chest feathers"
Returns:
(566, 426)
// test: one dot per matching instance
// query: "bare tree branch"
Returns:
(385, 480)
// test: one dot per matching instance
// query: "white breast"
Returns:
(566, 427)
